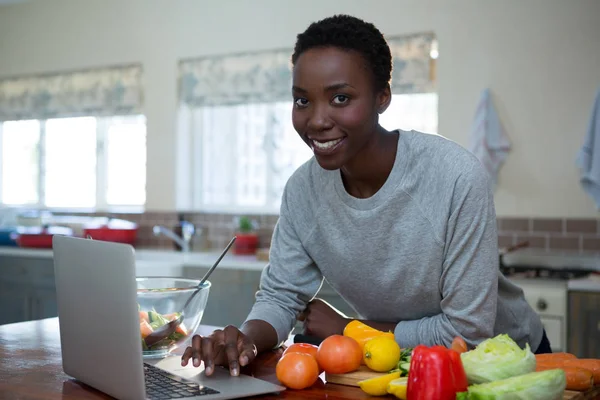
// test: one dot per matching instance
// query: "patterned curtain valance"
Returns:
(97, 92)
(266, 76)
(413, 68)
(236, 79)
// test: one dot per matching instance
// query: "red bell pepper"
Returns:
(435, 373)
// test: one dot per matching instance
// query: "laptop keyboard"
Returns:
(162, 385)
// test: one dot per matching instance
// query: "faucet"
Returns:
(187, 232)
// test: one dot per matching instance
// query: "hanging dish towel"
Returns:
(488, 140)
(588, 159)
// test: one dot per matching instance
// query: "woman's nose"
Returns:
(319, 120)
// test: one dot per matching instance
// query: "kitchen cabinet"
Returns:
(27, 289)
(15, 306)
(548, 298)
(584, 323)
(43, 304)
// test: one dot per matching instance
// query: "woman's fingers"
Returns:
(187, 354)
(196, 350)
(208, 354)
(191, 351)
(231, 334)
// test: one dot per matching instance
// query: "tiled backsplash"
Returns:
(580, 235)
(551, 234)
(214, 230)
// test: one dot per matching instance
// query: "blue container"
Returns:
(8, 236)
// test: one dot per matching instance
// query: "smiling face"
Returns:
(336, 104)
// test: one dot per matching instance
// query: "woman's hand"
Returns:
(322, 320)
(223, 347)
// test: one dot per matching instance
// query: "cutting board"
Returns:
(352, 379)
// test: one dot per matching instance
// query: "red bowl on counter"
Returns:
(40, 237)
(119, 231)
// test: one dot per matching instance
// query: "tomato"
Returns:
(305, 348)
(459, 345)
(339, 354)
(302, 348)
(297, 370)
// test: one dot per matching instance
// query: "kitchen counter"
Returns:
(152, 261)
(589, 284)
(30, 367)
(153, 257)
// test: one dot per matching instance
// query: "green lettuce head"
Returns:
(545, 385)
(497, 358)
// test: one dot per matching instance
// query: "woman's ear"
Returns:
(384, 97)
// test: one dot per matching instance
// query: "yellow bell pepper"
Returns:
(362, 333)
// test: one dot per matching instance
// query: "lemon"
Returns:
(381, 354)
(378, 386)
(397, 387)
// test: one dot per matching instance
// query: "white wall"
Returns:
(541, 58)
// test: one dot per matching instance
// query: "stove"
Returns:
(546, 291)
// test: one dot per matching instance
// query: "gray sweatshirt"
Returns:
(422, 252)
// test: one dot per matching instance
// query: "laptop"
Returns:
(100, 337)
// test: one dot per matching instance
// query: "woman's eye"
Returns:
(300, 102)
(340, 99)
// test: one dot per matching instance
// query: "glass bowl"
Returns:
(160, 300)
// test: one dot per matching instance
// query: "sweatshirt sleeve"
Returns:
(291, 279)
(469, 279)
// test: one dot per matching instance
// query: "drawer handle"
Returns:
(542, 305)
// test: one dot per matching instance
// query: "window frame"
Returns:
(101, 174)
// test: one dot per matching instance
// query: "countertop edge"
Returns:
(146, 256)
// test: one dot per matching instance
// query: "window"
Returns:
(248, 152)
(75, 163)
(20, 174)
(412, 111)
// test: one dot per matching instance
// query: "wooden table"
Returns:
(30, 368)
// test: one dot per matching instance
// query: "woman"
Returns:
(401, 224)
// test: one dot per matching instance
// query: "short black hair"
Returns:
(350, 33)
